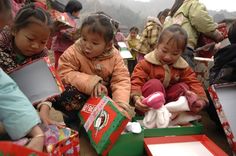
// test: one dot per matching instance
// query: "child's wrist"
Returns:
(135, 98)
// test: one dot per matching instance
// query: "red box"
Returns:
(204, 40)
(9, 148)
(103, 122)
(223, 97)
(182, 145)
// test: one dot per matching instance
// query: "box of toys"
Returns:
(103, 123)
(192, 128)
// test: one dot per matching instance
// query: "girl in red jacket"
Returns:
(165, 71)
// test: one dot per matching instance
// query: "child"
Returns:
(25, 41)
(64, 39)
(195, 19)
(93, 66)
(132, 40)
(164, 70)
(150, 34)
(22, 121)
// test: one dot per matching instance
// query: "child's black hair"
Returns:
(134, 29)
(5, 5)
(232, 33)
(73, 6)
(101, 24)
(23, 17)
(177, 33)
(163, 13)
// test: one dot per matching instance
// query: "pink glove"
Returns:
(155, 100)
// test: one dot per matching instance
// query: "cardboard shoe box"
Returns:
(192, 128)
(103, 123)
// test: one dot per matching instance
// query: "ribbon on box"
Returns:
(95, 112)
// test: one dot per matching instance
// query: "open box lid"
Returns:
(36, 81)
(124, 52)
(194, 145)
(223, 97)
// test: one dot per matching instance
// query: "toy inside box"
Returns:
(38, 80)
(192, 128)
(191, 145)
(103, 123)
(223, 97)
(61, 141)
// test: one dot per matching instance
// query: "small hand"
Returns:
(98, 90)
(139, 105)
(198, 105)
(48, 121)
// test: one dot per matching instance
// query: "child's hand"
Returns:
(48, 121)
(198, 105)
(98, 90)
(139, 105)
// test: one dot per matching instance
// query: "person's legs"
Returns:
(175, 91)
(189, 57)
(152, 86)
(131, 65)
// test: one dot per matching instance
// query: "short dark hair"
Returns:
(232, 33)
(73, 6)
(101, 24)
(134, 29)
(177, 33)
(23, 17)
(5, 5)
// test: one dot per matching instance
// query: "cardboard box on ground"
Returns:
(103, 123)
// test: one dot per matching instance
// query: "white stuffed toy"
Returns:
(162, 115)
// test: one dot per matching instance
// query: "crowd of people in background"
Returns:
(89, 63)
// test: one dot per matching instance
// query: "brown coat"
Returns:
(84, 73)
(151, 68)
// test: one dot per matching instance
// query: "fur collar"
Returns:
(180, 63)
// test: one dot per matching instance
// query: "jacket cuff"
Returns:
(92, 83)
(49, 104)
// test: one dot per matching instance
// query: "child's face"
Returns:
(93, 44)
(168, 53)
(32, 39)
(133, 34)
(76, 14)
